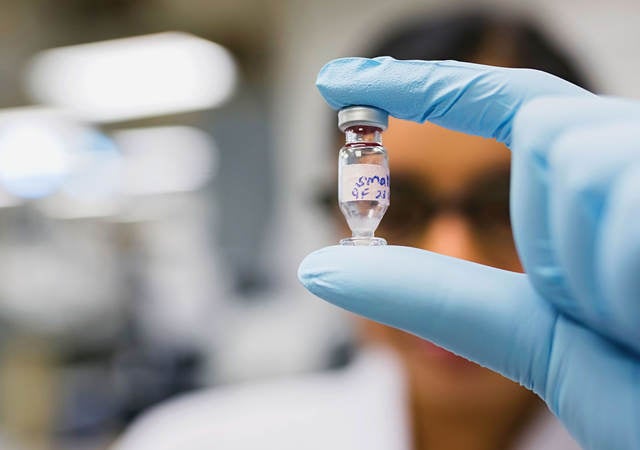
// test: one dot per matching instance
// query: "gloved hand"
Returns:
(569, 329)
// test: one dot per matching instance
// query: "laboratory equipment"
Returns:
(363, 173)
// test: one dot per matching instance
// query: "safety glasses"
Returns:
(484, 204)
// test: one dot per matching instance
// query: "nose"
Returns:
(450, 233)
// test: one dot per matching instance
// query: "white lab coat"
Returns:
(361, 407)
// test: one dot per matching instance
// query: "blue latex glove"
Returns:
(569, 329)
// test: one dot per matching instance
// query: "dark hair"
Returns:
(462, 36)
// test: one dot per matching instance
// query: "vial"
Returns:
(363, 173)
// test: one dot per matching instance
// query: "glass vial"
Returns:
(363, 173)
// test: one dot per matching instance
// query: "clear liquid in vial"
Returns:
(363, 217)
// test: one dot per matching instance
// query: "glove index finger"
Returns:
(490, 316)
(471, 98)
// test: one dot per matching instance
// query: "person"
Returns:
(568, 327)
(448, 195)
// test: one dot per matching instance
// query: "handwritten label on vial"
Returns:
(366, 182)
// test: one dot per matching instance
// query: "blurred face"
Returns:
(449, 195)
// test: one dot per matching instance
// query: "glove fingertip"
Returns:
(333, 80)
(312, 269)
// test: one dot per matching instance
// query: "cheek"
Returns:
(498, 250)
(382, 334)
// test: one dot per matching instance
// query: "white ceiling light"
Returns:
(159, 160)
(133, 78)
(92, 188)
(36, 148)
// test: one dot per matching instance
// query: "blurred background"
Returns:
(159, 163)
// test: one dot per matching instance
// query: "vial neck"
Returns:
(363, 134)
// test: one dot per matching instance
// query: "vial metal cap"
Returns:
(362, 115)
